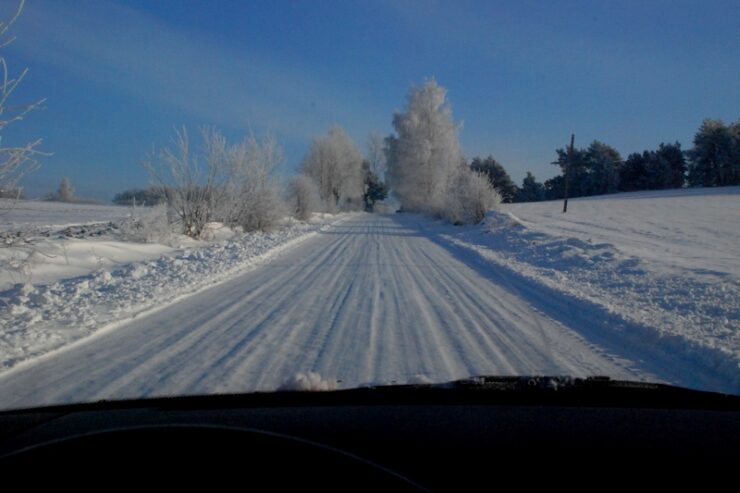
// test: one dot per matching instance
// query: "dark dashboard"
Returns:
(462, 436)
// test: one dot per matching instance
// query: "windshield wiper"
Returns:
(596, 391)
(568, 390)
(540, 383)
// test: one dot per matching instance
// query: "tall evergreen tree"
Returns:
(604, 162)
(555, 188)
(654, 170)
(375, 189)
(668, 169)
(591, 171)
(531, 191)
(633, 174)
(577, 168)
(735, 136)
(714, 158)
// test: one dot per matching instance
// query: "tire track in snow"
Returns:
(369, 300)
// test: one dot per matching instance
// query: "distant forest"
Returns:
(713, 161)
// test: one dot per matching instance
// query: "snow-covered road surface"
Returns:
(373, 299)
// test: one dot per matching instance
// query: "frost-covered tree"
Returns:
(375, 189)
(426, 168)
(66, 192)
(231, 183)
(376, 154)
(470, 196)
(15, 160)
(335, 165)
(191, 181)
(424, 154)
(253, 196)
(303, 197)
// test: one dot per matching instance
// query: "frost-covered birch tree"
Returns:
(425, 152)
(335, 164)
(425, 166)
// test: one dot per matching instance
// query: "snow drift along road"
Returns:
(370, 300)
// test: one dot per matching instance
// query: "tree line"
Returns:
(236, 183)
(421, 162)
(713, 161)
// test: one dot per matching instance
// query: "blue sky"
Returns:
(520, 75)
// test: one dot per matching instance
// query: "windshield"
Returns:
(228, 197)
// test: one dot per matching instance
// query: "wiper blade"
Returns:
(539, 382)
(597, 391)
(531, 382)
(563, 390)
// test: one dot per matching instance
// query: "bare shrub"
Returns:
(469, 197)
(191, 185)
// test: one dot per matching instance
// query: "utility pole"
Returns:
(567, 167)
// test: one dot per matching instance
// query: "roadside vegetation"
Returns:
(421, 166)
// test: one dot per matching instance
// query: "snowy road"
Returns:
(371, 300)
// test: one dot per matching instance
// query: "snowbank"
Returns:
(665, 263)
(36, 319)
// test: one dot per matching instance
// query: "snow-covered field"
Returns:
(47, 241)
(635, 286)
(19, 214)
(692, 231)
(44, 242)
(666, 261)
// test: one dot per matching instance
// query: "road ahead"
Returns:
(371, 300)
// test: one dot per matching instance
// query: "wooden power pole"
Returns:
(567, 167)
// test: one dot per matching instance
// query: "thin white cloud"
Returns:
(115, 45)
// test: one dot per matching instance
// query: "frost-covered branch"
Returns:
(231, 183)
(191, 192)
(253, 195)
(15, 161)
